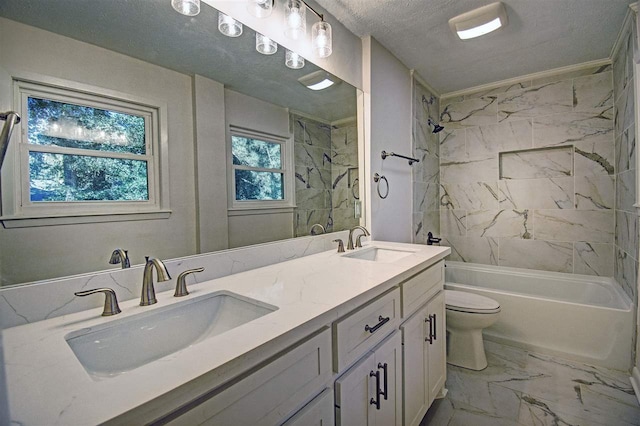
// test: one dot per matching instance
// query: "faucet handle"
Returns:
(181, 284)
(340, 245)
(359, 240)
(110, 301)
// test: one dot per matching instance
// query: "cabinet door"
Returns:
(388, 363)
(319, 412)
(415, 367)
(436, 349)
(361, 390)
(354, 392)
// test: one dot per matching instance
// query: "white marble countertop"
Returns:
(42, 381)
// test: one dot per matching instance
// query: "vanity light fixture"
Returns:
(296, 25)
(229, 26)
(186, 7)
(318, 80)
(260, 8)
(479, 22)
(265, 45)
(293, 60)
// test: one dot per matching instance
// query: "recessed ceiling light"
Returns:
(318, 80)
(479, 22)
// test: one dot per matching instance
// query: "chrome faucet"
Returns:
(350, 242)
(320, 228)
(148, 292)
(120, 256)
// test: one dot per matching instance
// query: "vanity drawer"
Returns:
(355, 334)
(418, 289)
(273, 392)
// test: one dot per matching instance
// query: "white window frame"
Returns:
(17, 208)
(286, 169)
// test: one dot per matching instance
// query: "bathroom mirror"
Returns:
(322, 125)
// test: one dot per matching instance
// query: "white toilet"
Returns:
(467, 315)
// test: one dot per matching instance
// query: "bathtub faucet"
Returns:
(431, 239)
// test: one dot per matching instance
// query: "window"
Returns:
(81, 154)
(259, 175)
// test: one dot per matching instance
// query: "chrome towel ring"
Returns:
(379, 178)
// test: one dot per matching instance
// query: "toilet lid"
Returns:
(470, 302)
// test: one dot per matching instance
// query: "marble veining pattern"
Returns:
(551, 98)
(538, 163)
(425, 175)
(556, 156)
(536, 254)
(574, 225)
(36, 302)
(556, 193)
(593, 259)
(528, 389)
(500, 223)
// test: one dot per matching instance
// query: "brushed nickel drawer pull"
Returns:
(375, 328)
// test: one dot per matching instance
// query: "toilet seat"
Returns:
(462, 301)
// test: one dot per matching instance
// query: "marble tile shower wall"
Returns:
(426, 173)
(345, 189)
(626, 231)
(527, 174)
(326, 170)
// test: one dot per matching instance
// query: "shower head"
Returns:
(436, 127)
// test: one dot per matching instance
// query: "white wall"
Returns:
(63, 250)
(387, 86)
(211, 164)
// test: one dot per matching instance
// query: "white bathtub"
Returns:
(579, 317)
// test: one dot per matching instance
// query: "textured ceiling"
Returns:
(152, 31)
(541, 35)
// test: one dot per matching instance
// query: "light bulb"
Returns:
(293, 60)
(229, 26)
(186, 7)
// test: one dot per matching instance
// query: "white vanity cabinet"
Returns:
(424, 354)
(271, 394)
(370, 392)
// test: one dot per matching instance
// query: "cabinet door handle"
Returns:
(435, 327)
(376, 401)
(430, 337)
(375, 328)
(384, 393)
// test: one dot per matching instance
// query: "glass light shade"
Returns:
(295, 19)
(229, 26)
(260, 8)
(293, 60)
(186, 7)
(321, 39)
(265, 45)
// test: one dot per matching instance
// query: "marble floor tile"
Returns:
(524, 388)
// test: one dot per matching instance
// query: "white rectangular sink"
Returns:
(126, 344)
(379, 254)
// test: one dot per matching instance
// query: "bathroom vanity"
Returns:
(326, 337)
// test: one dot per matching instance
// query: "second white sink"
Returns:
(379, 254)
(123, 345)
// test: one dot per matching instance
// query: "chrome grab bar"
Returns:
(11, 119)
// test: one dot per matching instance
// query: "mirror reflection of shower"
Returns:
(11, 118)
